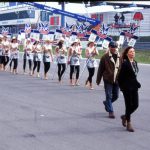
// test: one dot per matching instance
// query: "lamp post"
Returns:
(17, 13)
(62, 16)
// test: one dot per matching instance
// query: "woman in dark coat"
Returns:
(129, 85)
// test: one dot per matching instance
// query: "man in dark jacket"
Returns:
(108, 69)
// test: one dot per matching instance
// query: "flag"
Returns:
(133, 28)
(104, 29)
(85, 27)
(69, 27)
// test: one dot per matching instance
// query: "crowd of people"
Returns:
(118, 71)
(36, 52)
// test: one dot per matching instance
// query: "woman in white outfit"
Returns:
(74, 54)
(90, 54)
(14, 54)
(60, 52)
(47, 57)
(28, 55)
(37, 57)
(6, 52)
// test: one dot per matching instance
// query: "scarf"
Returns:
(116, 65)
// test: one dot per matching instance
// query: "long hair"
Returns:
(60, 44)
(124, 53)
(36, 42)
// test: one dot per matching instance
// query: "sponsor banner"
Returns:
(61, 12)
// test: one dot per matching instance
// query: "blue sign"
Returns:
(58, 11)
(11, 4)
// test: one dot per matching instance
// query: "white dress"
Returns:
(61, 58)
(38, 54)
(6, 49)
(14, 52)
(46, 56)
(29, 51)
(91, 61)
(75, 58)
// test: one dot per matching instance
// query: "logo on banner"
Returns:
(43, 28)
(27, 28)
(5, 31)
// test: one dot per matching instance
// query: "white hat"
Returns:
(14, 37)
(48, 39)
(89, 42)
(28, 39)
(61, 39)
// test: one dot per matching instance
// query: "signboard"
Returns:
(4, 4)
(93, 36)
(9, 4)
(61, 12)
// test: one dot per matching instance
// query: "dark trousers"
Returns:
(131, 102)
(5, 60)
(15, 62)
(75, 69)
(0, 59)
(91, 74)
(61, 70)
(24, 64)
(46, 67)
(37, 64)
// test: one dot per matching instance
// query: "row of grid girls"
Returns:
(36, 52)
(9, 51)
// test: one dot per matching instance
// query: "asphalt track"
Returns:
(37, 114)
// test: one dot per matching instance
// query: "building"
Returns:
(15, 17)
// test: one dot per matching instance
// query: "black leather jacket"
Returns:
(127, 77)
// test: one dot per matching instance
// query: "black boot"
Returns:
(124, 121)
